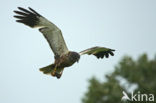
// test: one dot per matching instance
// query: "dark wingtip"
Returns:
(112, 49)
(107, 55)
(18, 17)
(27, 17)
(30, 8)
(111, 53)
(14, 11)
(19, 7)
(34, 11)
(101, 55)
(19, 21)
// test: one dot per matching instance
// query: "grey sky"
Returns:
(129, 26)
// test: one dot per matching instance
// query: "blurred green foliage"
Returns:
(140, 72)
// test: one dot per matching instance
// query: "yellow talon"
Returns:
(53, 73)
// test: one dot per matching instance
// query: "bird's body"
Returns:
(61, 62)
(63, 57)
(67, 60)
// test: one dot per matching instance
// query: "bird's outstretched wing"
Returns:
(99, 52)
(50, 31)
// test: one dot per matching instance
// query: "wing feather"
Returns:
(99, 52)
(50, 31)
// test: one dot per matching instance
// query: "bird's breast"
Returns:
(64, 61)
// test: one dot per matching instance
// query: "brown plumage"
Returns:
(53, 35)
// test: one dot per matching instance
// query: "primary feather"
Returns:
(99, 52)
(50, 31)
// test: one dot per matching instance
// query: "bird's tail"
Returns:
(52, 70)
(48, 69)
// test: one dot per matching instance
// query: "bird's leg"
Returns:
(58, 75)
(54, 71)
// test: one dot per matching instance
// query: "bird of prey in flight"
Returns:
(63, 56)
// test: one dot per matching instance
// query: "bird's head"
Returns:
(74, 56)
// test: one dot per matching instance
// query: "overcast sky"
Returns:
(129, 26)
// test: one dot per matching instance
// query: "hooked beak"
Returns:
(78, 60)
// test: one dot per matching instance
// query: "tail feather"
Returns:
(48, 69)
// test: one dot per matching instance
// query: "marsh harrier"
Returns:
(63, 57)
